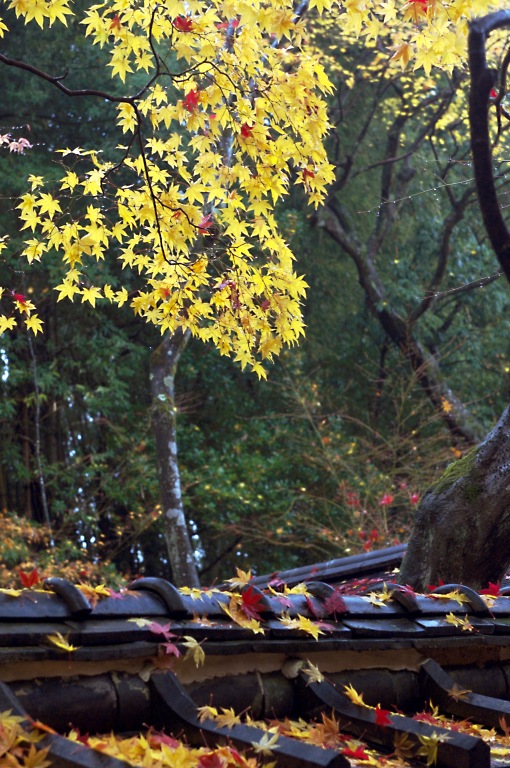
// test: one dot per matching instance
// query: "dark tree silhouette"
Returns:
(462, 528)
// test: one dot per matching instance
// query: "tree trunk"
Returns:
(462, 528)
(164, 362)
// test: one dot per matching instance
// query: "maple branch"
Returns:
(387, 160)
(57, 82)
(480, 283)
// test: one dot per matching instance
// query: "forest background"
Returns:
(405, 364)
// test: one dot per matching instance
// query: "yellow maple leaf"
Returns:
(459, 597)
(227, 718)
(267, 744)
(308, 626)
(242, 579)
(10, 592)
(375, 598)
(402, 54)
(94, 593)
(62, 642)
(6, 323)
(354, 696)
(34, 324)
(207, 713)
(36, 758)
(67, 289)
(233, 609)
(195, 650)
(430, 745)
(142, 623)
(194, 592)
(313, 673)
(459, 694)
(404, 746)
(457, 621)
(91, 295)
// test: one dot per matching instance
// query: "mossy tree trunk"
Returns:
(462, 528)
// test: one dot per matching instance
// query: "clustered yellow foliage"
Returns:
(232, 113)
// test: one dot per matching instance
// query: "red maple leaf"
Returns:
(308, 174)
(183, 24)
(156, 738)
(170, 649)
(30, 579)
(381, 716)
(246, 130)
(160, 629)
(493, 589)
(206, 222)
(211, 760)
(335, 603)
(311, 608)
(358, 753)
(192, 100)
(426, 717)
(432, 587)
(226, 24)
(115, 595)
(115, 23)
(251, 605)
(19, 297)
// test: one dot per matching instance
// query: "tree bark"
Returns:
(164, 361)
(462, 528)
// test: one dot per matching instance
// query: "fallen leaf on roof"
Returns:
(195, 650)
(93, 594)
(430, 745)
(354, 696)
(313, 673)
(267, 744)
(459, 597)
(241, 580)
(299, 589)
(11, 592)
(141, 623)
(459, 694)
(227, 718)
(307, 625)
(404, 745)
(335, 603)
(238, 616)
(375, 599)
(207, 713)
(457, 621)
(62, 642)
(381, 716)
